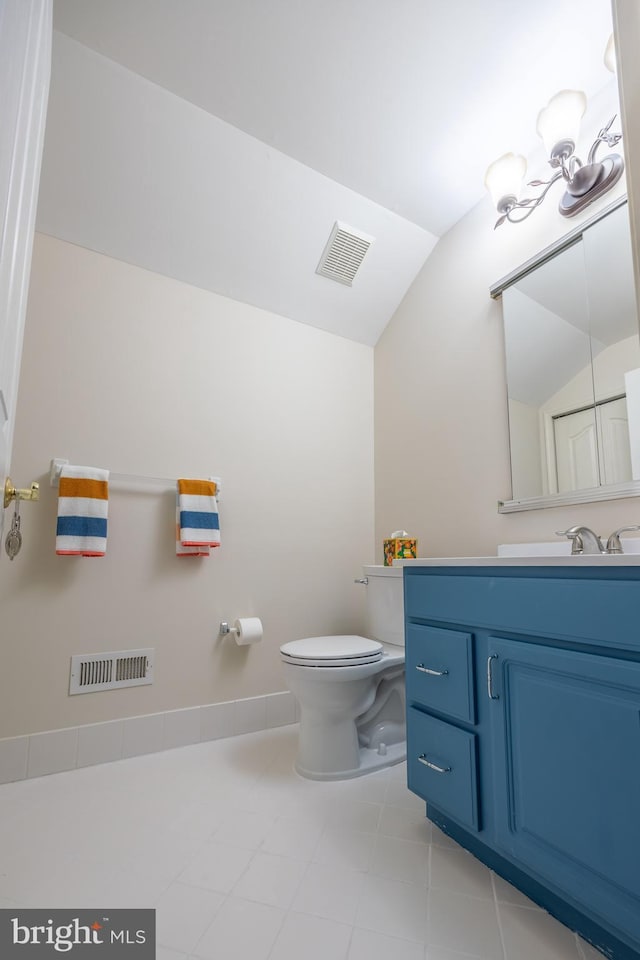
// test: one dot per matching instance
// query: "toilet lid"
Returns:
(332, 651)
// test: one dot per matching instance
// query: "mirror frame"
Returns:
(613, 491)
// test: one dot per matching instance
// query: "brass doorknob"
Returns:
(15, 493)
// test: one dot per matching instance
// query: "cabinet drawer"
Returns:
(439, 671)
(547, 602)
(441, 766)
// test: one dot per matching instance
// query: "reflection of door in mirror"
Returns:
(573, 365)
(576, 450)
(592, 446)
(613, 433)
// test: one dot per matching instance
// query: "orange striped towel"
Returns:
(83, 508)
(199, 521)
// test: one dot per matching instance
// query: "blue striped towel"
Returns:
(181, 550)
(83, 507)
(199, 522)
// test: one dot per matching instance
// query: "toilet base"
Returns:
(370, 760)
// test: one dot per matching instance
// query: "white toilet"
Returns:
(351, 689)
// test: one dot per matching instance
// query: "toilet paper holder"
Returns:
(245, 631)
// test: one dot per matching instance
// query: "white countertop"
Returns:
(589, 560)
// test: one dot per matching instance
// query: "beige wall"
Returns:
(138, 373)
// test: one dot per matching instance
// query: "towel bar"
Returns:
(126, 479)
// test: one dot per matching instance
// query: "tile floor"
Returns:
(244, 860)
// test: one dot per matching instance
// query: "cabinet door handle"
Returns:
(432, 673)
(433, 766)
(492, 695)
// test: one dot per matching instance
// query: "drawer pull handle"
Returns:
(433, 766)
(492, 695)
(432, 673)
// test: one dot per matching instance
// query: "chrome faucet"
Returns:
(583, 540)
(613, 543)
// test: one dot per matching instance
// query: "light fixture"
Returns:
(558, 125)
(610, 55)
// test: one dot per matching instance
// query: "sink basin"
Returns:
(562, 548)
(556, 548)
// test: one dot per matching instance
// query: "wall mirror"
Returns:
(573, 369)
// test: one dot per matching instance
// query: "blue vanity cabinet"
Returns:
(542, 760)
(566, 764)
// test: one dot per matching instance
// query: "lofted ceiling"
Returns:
(383, 114)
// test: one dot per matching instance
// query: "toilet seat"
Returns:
(341, 651)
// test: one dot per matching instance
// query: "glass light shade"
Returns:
(610, 55)
(504, 177)
(560, 119)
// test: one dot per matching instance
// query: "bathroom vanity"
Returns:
(523, 727)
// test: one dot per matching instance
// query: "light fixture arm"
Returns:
(528, 205)
(570, 167)
(585, 182)
(611, 139)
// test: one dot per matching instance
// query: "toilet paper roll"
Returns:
(248, 630)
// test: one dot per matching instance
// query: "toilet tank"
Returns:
(385, 604)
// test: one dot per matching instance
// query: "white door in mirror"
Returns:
(581, 461)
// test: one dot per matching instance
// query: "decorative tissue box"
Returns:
(399, 546)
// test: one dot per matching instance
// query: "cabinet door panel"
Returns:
(439, 671)
(567, 753)
(441, 766)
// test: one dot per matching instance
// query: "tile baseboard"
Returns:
(53, 751)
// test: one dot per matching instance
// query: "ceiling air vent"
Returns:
(107, 671)
(343, 253)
